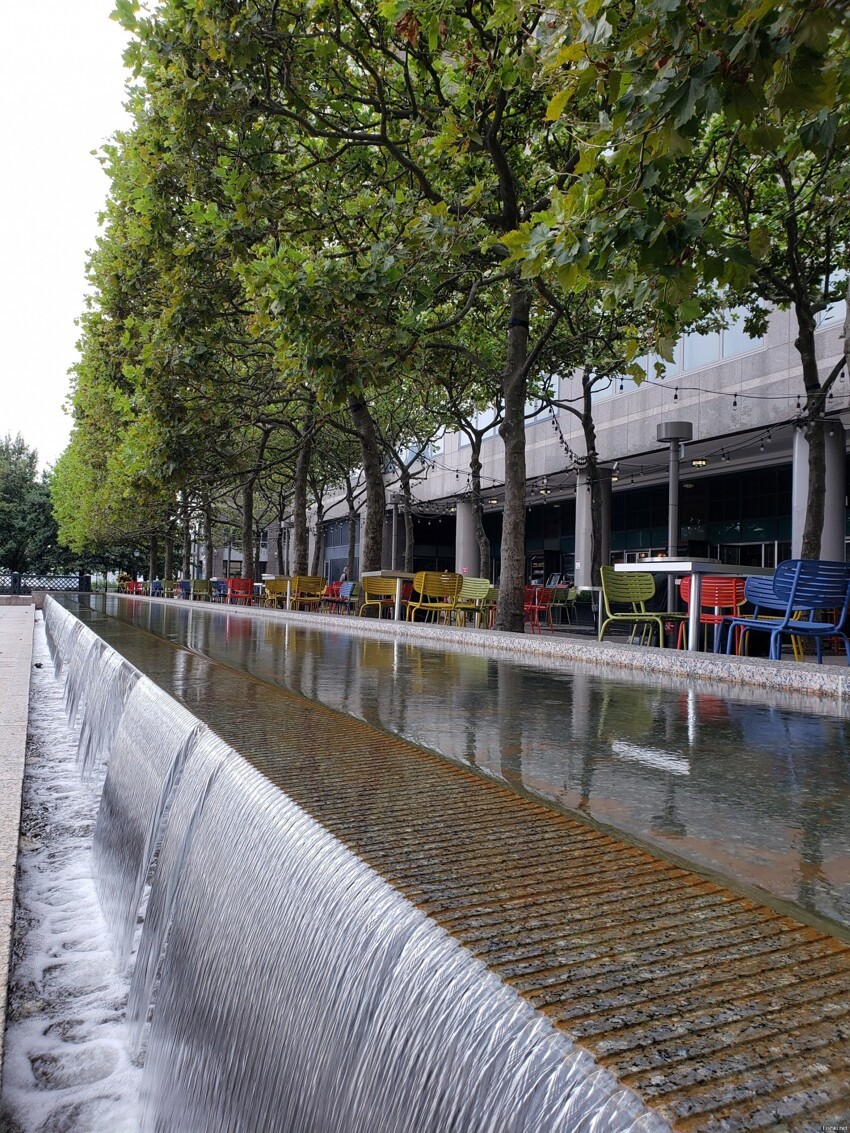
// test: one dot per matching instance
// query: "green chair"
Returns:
(201, 590)
(473, 593)
(632, 590)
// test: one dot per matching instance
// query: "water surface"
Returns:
(756, 791)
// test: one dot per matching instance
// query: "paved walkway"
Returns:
(16, 626)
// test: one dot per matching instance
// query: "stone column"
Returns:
(834, 510)
(584, 528)
(467, 555)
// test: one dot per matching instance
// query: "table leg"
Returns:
(288, 595)
(693, 613)
(397, 611)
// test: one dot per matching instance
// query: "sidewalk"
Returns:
(16, 630)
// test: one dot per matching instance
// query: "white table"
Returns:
(696, 568)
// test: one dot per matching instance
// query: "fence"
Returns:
(16, 583)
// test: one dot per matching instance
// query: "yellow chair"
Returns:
(379, 592)
(632, 589)
(306, 591)
(473, 593)
(438, 594)
(275, 592)
(201, 590)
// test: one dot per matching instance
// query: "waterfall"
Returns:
(291, 987)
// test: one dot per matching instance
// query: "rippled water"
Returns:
(741, 783)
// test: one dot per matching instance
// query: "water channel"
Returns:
(742, 785)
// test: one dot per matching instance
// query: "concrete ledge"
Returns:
(16, 629)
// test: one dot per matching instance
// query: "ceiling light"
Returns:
(699, 463)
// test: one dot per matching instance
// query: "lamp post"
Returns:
(675, 434)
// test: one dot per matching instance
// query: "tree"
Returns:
(715, 163)
(28, 534)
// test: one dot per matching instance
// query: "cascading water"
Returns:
(292, 988)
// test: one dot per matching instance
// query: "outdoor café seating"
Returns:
(471, 600)
(240, 591)
(275, 592)
(800, 590)
(201, 590)
(437, 592)
(343, 601)
(378, 593)
(183, 588)
(536, 603)
(720, 598)
(624, 599)
(306, 591)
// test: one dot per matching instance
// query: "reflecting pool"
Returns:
(755, 791)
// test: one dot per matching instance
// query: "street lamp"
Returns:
(675, 434)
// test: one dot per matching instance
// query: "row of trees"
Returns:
(336, 230)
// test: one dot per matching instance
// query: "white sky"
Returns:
(61, 94)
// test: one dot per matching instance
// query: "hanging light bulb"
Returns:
(676, 394)
(735, 401)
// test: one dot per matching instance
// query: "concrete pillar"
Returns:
(467, 554)
(835, 507)
(584, 528)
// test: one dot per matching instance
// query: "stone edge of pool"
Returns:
(790, 677)
(16, 642)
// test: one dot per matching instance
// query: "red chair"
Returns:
(240, 591)
(721, 596)
(538, 602)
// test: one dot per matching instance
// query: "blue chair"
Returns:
(219, 590)
(799, 589)
(157, 590)
(184, 588)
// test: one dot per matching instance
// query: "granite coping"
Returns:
(16, 632)
(829, 682)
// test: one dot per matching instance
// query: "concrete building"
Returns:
(742, 475)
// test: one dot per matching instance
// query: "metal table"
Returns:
(696, 568)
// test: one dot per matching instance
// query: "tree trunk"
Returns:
(279, 544)
(168, 567)
(317, 565)
(352, 529)
(209, 549)
(407, 512)
(153, 558)
(512, 431)
(477, 510)
(248, 528)
(186, 523)
(805, 344)
(589, 430)
(372, 535)
(299, 499)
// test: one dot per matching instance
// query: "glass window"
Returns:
(735, 338)
(701, 350)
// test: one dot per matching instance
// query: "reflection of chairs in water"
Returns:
(438, 594)
(624, 598)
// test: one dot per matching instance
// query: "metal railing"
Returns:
(14, 582)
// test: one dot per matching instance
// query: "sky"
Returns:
(61, 93)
